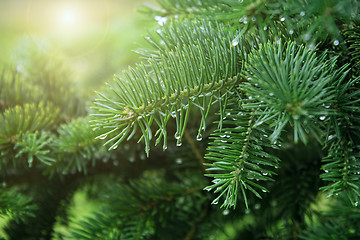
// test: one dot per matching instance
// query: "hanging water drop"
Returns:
(271, 94)
(322, 118)
(356, 204)
(199, 137)
(282, 19)
(177, 135)
(302, 13)
(265, 28)
(336, 42)
(291, 31)
(179, 142)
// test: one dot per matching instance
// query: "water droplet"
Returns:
(158, 30)
(142, 156)
(336, 42)
(176, 16)
(177, 135)
(216, 201)
(291, 31)
(282, 19)
(322, 118)
(132, 158)
(250, 97)
(226, 212)
(103, 137)
(265, 28)
(265, 173)
(271, 94)
(199, 137)
(257, 206)
(179, 161)
(178, 142)
(4, 185)
(235, 43)
(302, 13)
(356, 204)
(162, 42)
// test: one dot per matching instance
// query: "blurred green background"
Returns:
(95, 38)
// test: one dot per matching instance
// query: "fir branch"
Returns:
(342, 170)
(239, 159)
(16, 206)
(34, 146)
(291, 86)
(76, 148)
(173, 83)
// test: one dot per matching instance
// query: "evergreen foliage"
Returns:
(270, 91)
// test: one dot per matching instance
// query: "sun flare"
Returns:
(66, 22)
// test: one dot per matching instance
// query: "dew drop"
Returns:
(356, 204)
(282, 19)
(322, 118)
(4, 185)
(235, 43)
(265, 28)
(158, 30)
(179, 142)
(302, 13)
(250, 97)
(199, 137)
(271, 94)
(257, 206)
(177, 135)
(103, 137)
(336, 42)
(291, 31)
